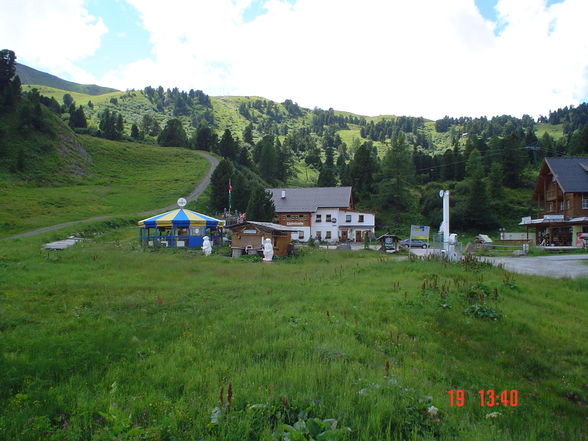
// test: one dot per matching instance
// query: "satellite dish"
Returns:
(182, 202)
(441, 193)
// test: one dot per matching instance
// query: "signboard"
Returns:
(294, 223)
(526, 220)
(249, 231)
(553, 217)
(419, 232)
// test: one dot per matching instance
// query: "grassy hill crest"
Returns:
(28, 75)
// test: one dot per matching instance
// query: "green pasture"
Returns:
(554, 130)
(107, 341)
(79, 98)
(304, 176)
(120, 178)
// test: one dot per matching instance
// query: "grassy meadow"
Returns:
(107, 341)
(118, 178)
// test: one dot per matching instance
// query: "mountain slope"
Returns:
(28, 75)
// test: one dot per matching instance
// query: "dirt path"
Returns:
(192, 196)
(565, 265)
(571, 265)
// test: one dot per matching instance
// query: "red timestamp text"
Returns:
(488, 398)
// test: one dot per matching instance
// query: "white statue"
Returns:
(268, 250)
(206, 246)
(451, 243)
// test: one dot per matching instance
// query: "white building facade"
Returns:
(323, 213)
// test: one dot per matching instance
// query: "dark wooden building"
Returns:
(247, 237)
(561, 192)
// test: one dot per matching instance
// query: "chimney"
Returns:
(283, 194)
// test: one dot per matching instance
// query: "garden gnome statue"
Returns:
(206, 246)
(268, 250)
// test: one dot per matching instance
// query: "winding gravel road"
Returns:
(192, 196)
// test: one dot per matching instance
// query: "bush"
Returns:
(482, 312)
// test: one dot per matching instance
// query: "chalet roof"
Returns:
(570, 173)
(308, 200)
(265, 226)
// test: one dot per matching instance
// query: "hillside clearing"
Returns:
(123, 178)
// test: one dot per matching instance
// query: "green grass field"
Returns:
(106, 341)
(79, 98)
(122, 178)
(555, 131)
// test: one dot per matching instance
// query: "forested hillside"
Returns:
(396, 164)
(49, 174)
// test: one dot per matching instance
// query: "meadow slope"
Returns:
(118, 178)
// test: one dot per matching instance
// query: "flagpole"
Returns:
(230, 189)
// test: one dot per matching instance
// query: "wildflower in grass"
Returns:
(230, 394)
(493, 415)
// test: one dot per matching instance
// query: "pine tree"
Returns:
(284, 161)
(204, 139)
(227, 146)
(261, 207)
(248, 134)
(267, 159)
(361, 172)
(327, 175)
(241, 191)
(514, 160)
(135, 134)
(477, 210)
(219, 186)
(398, 175)
(9, 81)
(77, 117)
(67, 100)
(173, 135)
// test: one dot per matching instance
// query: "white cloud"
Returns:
(51, 35)
(427, 58)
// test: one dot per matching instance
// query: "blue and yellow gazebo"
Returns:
(177, 228)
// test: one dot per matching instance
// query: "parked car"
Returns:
(413, 243)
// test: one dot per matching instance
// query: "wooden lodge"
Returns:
(561, 192)
(248, 237)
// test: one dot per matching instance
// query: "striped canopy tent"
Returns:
(181, 217)
(178, 228)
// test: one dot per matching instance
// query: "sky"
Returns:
(427, 58)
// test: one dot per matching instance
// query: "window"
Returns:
(561, 205)
(319, 235)
(319, 218)
(360, 218)
(348, 218)
(328, 219)
(328, 235)
(568, 204)
(303, 217)
(300, 235)
(584, 203)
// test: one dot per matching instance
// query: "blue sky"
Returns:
(427, 58)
